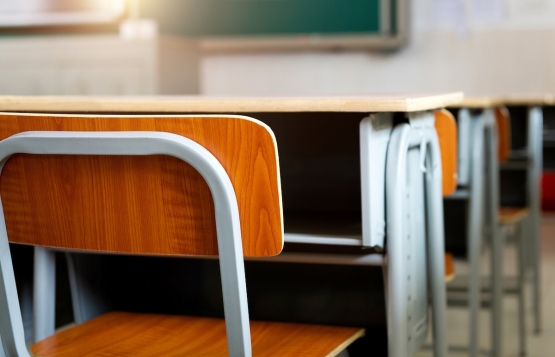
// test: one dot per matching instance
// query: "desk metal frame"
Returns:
(418, 134)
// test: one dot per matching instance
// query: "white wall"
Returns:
(98, 65)
(77, 65)
(479, 46)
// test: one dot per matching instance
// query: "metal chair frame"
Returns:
(420, 136)
(125, 143)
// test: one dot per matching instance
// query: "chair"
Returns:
(205, 185)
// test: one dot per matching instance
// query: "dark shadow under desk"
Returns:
(340, 295)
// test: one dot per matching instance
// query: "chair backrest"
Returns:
(446, 128)
(188, 185)
(503, 121)
(141, 204)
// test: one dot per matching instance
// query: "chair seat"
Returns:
(449, 267)
(512, 215)
(130, 334)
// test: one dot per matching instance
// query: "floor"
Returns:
(542, 345)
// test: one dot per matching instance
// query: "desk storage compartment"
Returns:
(456, 226)
(319, 156)
(519, 127)
(513, 188)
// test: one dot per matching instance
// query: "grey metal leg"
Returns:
(475, 232)
(343, 353)
(498, 242)
(436, 247)
(11, 326)
(497, 239)
(416, 272)
(2, 354)
(397, 306)
(537, 291)
(88, 295)
(535, 123)
(44, 293)
(521, 289)
(397, 289)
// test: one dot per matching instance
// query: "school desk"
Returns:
(342, 159)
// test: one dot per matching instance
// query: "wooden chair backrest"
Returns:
(141, 204)
(503, 120)
(446, 128)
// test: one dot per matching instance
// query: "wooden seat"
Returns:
(129, 334)
(503, 121)
(512, 215)
(446, 128)
(449, 267)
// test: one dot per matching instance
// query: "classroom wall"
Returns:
(479, 46)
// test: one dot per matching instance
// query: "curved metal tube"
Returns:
(396, 290)
(138, 143)
(436, 244)
(402, 139)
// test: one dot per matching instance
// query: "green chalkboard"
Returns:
(270, 17)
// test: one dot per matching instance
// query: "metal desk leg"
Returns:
(436, 245)
(2, 354)
(396, 290)
(403, 137)
(497, 239)
(498, 242)
(475, 232)
(86, 302)
(44, 293)
(535, 123)
(521, 289)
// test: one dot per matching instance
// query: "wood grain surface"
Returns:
(144, 205)
(503, 123)
(142, 335)
(446, 128)
(511, 99)
(482, 102)
(206, 104)
(512, 215)
(526, 99)
(449, 267)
